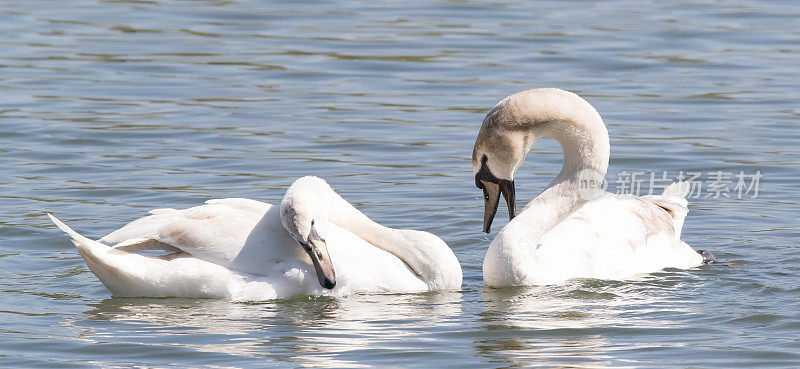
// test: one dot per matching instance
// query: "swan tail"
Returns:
(100, 260)
(76, 238)
(673, 201)
(677, 192)
(127, 274)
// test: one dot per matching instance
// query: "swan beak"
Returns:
(317, 250)
(491, 198)
(509, 193)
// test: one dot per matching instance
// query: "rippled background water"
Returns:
(111, 108)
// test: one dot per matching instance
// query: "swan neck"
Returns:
(513, 126)
(512, 255)
(585, 146)
(359, 224)
(425, 254)
(586, 151)
(346, 216)
(554, 205)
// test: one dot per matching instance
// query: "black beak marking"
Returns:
(328, 283)
(509, 194)
(492, 188)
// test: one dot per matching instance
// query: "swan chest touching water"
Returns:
(314, 243)
(573, 229)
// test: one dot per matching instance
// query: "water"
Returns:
(111, 108)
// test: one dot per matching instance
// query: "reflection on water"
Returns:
(561, 325)
(309, 330)
(580, 304)
(568, 324)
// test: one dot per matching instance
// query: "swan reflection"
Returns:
(569, 325)
(308, 331)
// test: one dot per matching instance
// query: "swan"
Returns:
(573, 229)
(314, 243)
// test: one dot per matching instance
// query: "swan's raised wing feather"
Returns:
(139, 244)
(215, 232)
(674, 202)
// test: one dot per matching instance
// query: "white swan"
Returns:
(573, 229)
(249, 250)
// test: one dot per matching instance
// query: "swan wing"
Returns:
(616, 237)
(215, 232)
(139, 244)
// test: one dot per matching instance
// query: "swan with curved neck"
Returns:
(573, 229)
(425, 254)
(314, 243)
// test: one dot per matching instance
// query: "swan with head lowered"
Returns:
(314, 243)
(573, 229)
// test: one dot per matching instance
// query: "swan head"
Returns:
(511, 128)
(307, 222)
(499, 151)
(493, 187)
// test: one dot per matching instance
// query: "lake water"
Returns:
(111, 108)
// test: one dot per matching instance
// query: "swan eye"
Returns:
(312, 222)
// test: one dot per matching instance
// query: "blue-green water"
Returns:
(111, 108)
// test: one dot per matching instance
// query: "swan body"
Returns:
(573, 229)
(243, 249)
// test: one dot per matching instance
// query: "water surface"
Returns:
(111, 108)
